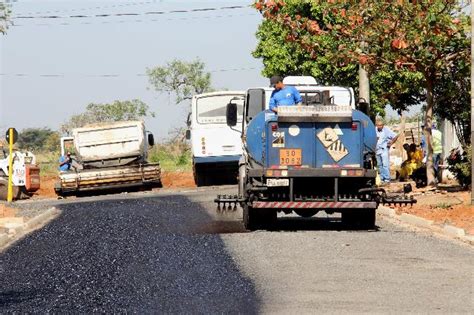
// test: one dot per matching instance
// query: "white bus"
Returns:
(216, 147)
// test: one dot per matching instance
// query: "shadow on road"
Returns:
(283, 224)
(138, 255)
(294, 224)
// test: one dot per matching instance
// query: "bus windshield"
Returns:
(212, 109)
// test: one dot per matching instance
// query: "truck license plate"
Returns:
(290, 156)
(278, 182)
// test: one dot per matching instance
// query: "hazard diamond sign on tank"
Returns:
(337, 150)
(330, 140)
(327, 136)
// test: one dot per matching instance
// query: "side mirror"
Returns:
(188, 121)
(231, 114)
(188, 134)
(151, 140)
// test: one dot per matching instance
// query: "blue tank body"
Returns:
(274, 144)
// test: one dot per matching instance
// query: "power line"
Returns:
(137, 20)
(118, 5)
(107, 75)
(81, 16)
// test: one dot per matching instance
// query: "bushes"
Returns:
(172, 156)
(459, 163)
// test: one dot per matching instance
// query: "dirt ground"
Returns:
(178, 179)
(452, 208)
(6, 212)
(170, 180)
(46, 187)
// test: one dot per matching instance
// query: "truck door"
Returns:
(255, 103)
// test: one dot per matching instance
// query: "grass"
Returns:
(443, 205)
(48, 163)
(172, 157)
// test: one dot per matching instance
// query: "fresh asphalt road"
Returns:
(172, 253)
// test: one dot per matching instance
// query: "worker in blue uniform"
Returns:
(65, 162)
(385, 139)
(283, 95)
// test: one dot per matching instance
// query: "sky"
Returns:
(52, 68)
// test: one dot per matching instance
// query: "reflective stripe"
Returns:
(314, 205)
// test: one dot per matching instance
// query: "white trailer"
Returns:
(216, 147)
(107, 156)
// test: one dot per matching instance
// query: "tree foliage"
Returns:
(183, 79)
(284, 55)
(452, 99)
(38, 139)
(4, 17)
(427, 37)
(116, 111)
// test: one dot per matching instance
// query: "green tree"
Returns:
(181, 78)
(452, 98)
(426, 37)
(4, 17)
(52, 142)
(282, 54)
(116, 111)
(35, 139)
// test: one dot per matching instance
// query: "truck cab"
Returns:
(216, 147)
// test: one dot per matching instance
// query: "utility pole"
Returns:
(472, 103)
(364, 85)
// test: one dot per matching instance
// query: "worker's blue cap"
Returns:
(274, 80)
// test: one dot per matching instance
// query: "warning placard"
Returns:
(327, 136)
(337, 150)
(278, 139)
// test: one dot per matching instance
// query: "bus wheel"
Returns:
(200, 177)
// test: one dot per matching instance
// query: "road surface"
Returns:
(171, 252)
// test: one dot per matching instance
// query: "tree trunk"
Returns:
(364, 86)
(402, 138)
(430, 172)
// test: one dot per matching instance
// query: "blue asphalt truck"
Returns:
(319, 156)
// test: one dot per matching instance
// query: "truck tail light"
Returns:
(354, 126)
(274, 127)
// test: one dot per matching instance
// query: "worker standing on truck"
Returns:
(283, 95)
(385, 139)
(65, 162)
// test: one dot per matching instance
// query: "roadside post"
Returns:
(11, 136)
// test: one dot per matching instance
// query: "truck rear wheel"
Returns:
(255, 219)
(306, 213)
(4, 191)
(361, 219)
